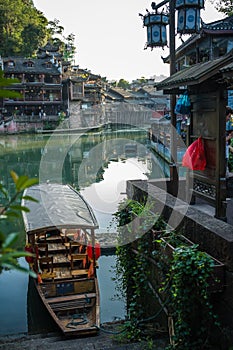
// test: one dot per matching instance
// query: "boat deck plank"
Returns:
(71, 297)
(60, 259)
(56, 247)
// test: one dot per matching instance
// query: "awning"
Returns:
(59, 206)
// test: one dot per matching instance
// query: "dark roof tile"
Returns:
(39, 66)
(196, 74)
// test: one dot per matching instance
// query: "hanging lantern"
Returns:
(97, 250)
(156, 29)
(28, 249)
(189, 20)
(189, 3)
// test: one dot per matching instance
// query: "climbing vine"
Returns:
(132, 267)
(190, 305)
(184, 276)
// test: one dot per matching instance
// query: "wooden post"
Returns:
(93, 249)
(173, 145)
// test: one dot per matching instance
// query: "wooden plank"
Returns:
(70, 297)
(80, 272)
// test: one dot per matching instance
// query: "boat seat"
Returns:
(42, 249)
(66, 237)
(79, 273)
(77, 258)
(41, 237)
(71, 297)
(48, 275)
(72, 247)
(46, 265)
(48, 261)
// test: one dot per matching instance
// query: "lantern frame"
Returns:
(188, 20)
(156, 29)
(189, 3)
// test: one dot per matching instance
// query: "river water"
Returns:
(96, 163)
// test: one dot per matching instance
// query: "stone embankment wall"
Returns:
(212, 235)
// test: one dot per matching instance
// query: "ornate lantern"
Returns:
(156, 29)
(189, 20)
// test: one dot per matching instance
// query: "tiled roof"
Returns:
(121, 92)
(112, 96)
(223, 24)
(49, 47)
(227, 68)
(196, 73)
(150, 91)
(39, 66)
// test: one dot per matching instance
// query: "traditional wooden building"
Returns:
(153, 99)
(83, 96)
(214, 40)
(83, 87)
(40, 86)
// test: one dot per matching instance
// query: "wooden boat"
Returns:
(60, 233)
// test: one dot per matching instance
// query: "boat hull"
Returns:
(76, 311)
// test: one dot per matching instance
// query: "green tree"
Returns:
(18, 19)
(11, 211)
(124, 84)
(34, 34)
(65, 44)
(23, 29)
(69, 50)
(142, 80)
(224, 6)
(4, 83)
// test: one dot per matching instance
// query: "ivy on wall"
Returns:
(184, 277)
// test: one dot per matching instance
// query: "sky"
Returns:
(109, 35)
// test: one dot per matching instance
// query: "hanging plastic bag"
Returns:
(183, 104)
(194, 157)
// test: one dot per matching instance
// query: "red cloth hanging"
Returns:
(194, 157)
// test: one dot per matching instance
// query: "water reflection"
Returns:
(13, 310)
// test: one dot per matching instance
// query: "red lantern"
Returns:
(28, 248)
(90, 250)
(97, 250)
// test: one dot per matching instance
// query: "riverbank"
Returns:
(54, 341)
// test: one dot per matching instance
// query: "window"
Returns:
(10, 64)
(48, 64)
(29, 64)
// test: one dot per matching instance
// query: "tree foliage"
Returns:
(11, 211)
(65, 44)
(22, 28)
(224, 6)
(124, 84)
(6, 82)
